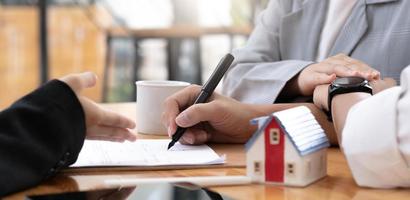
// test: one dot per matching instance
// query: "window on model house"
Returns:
(290, 168)
(257, 167)
(274, 135)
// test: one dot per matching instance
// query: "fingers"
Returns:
(112, 126)
(106, 125)
(195, 114)
(109, 118)
(110, 133)
(335, 67)
(315, 79)
(320, 96)
(175, 103)
(321, 78)
(358, 67)
(195, 136)
(111, 139)
(343, 71)
(95, 115)
(364, 70)
(101, 124)
(80, 81)
(185, 97)
(171, 111)
(192, 117)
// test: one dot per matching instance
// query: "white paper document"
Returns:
(144, 152)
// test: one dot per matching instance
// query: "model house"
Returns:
(289, 148)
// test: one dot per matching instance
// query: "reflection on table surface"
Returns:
(140, 192)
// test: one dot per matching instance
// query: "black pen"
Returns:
(206, 91)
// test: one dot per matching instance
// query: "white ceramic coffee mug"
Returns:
(150, 98)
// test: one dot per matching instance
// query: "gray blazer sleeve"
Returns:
(259, 73)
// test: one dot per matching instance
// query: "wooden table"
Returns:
(339, 183)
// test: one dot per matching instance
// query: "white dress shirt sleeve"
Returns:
(376, 138)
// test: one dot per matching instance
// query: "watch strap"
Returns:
(366, 88)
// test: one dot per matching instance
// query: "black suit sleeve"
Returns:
(39, 134)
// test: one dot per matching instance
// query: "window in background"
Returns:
(214, 13)
(157, 14)
(124, 56)
(154, 60)
(141, 13)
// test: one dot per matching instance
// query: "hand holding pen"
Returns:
(206, 91)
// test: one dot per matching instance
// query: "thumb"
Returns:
(316, 79)
(195, 114)
(322, 78)
(80, 81)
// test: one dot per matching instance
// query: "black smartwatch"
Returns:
(346, 85)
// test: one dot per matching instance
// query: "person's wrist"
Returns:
(320, 96)
(255, 111)
(341, 105)
(348, 98)
(344, 85)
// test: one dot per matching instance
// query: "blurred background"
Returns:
(120, 40)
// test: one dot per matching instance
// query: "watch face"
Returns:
(349, 81)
